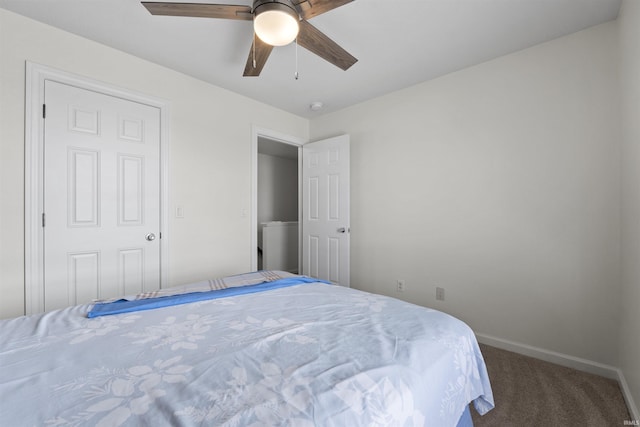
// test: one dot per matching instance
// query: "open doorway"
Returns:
(276, 202)
(277, 206)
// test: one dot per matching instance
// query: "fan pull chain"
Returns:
(296, 74)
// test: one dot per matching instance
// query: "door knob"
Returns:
(150, 237)
(342, 230)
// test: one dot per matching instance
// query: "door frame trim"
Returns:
(260, 132)
(36, 74)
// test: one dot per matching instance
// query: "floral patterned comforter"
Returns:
(306, 355)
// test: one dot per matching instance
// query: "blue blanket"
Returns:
(127, 306)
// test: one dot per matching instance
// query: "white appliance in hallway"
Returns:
(280, 246)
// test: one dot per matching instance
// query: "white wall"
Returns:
(277, 188)
(629, 23)
(210, 149)
(501, 184)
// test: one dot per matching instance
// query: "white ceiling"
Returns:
(398, 43)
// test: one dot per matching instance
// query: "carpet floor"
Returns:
(531, 392)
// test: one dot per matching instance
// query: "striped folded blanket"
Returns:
(245, 279)
(159, 301)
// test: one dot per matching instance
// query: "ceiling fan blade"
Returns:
(312, 39)
(262, 52)
(200, 10)
(310, 8)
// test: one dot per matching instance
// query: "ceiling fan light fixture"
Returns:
(276, 23)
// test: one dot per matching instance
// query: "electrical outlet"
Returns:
(400, 285)
(440, 294)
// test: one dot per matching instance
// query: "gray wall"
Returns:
(277, 189)
(501, 184)
(629, 334)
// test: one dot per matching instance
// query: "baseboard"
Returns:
(568, 361)
(551, 356)
(631, 404)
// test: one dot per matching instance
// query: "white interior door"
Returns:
(101, 196)
(325, 209)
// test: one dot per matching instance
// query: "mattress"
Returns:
(304, 354)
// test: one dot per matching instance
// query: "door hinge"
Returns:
(43, 219)
(44, 111)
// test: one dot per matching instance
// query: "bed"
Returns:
(258, 349)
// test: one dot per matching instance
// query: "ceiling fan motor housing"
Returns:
(285, 3)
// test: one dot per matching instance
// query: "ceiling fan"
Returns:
(276, 23)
